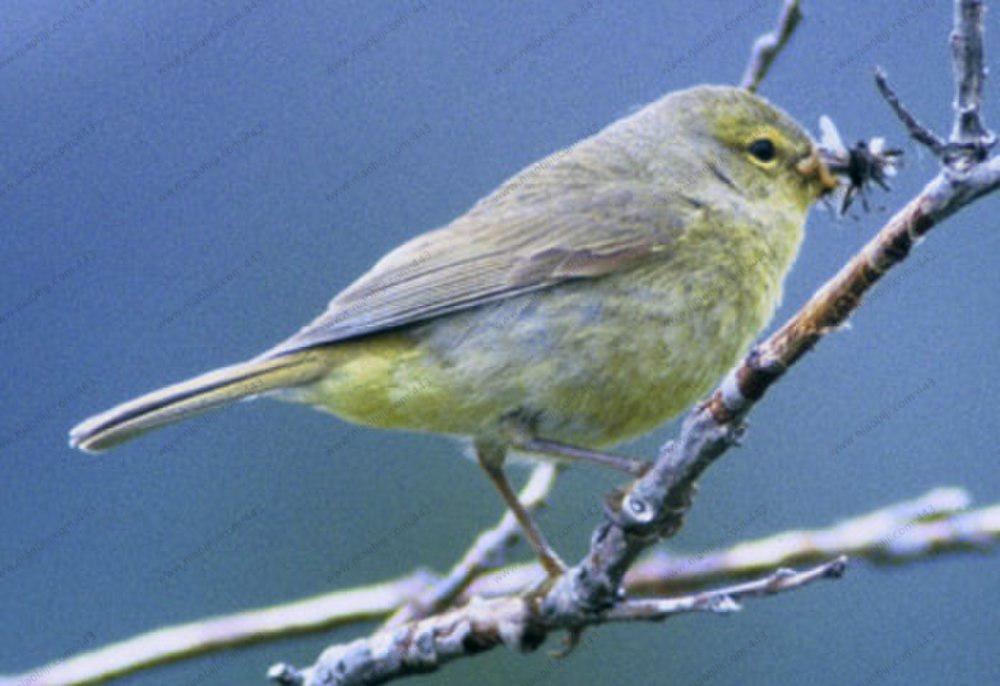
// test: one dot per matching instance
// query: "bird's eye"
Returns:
(763, 149)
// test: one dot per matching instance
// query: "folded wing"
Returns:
(518, 239)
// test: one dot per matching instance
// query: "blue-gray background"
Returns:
(182, 186)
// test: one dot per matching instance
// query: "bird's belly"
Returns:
(590, 362)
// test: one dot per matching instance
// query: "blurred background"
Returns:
(183, 185)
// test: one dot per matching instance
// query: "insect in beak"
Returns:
(859, 166)
(811, 166)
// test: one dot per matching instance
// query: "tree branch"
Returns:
(970, 141)
(724, 600)
(427, 644)
(767, 47)
(933, 524)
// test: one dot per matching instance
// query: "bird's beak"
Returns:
(812, 167)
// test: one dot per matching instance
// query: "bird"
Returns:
(589, 298)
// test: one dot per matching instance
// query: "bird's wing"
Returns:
(501, 248)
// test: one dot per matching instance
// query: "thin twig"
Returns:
(724, 600)
(917, 131)
(767, 47)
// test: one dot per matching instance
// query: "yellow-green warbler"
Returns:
(591, 297)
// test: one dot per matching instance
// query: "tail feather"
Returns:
(194, 396)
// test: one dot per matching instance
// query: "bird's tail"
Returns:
(194, 396)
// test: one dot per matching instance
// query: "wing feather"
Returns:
(508, 244)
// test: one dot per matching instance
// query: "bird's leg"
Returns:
(491, 460)
(540, 446)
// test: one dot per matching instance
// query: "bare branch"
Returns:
(912, 530)
(767, 47)
(724, 600)
(970, 141)
(967, 64)
(426, 645)
(917, 131)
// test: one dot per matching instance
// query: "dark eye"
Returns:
(762, 149)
